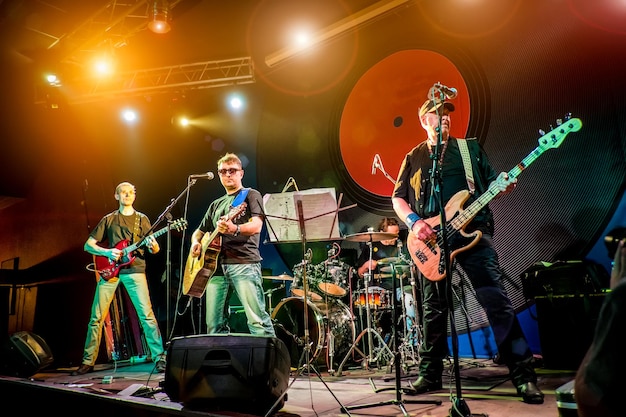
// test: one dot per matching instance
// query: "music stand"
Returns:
(398, 400)
(302, 216)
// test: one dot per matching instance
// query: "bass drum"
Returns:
(329, 324)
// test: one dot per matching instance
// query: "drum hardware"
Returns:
(368, 237)
(269, 296)
(399, 401)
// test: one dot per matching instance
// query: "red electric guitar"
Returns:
(107, 268)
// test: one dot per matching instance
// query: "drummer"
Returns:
(383, 249)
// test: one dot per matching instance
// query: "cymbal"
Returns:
(282, 277)
(392, 260)
(400, 269)
(370, 237)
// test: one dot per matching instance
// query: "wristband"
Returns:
(237, 231)
(411, 219)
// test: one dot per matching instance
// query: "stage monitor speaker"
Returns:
(234, 372)
(24, 354)
(566, 326)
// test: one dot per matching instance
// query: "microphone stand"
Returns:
(168, 254)
(459, 406)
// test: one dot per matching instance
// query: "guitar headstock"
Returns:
(237, 211)
(556, 136)
(180, 224)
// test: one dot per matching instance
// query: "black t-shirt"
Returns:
(236, 249)
(115, 228)
(414, 180)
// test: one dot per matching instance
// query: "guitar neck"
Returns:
(468, 214)
(142, 242)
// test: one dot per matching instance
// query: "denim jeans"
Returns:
(137, 287)
(246, 281)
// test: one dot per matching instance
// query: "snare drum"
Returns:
(377, 297)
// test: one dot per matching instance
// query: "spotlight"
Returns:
(159, 16)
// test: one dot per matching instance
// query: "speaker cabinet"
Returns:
(24, 354)
(235, 372)
(566, 326)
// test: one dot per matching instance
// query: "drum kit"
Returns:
(331, 305)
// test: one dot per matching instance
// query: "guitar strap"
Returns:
(467, 164)
(136, 230)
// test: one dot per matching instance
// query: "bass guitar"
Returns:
(107, 268)
(199, 269)
(428, 256)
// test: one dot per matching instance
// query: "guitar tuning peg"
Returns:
(559, 122)
(542, 132)
(568, 116)
(551, 127)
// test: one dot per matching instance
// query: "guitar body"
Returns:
(199, 269)
(107, 268)
(428, 256)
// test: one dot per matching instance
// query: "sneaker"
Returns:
(161, 365)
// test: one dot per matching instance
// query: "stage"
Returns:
(129, 389)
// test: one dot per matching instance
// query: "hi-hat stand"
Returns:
(368, 237)
(399, 401)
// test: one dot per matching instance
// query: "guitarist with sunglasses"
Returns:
(227, 244)
(116, 229)
(411, 200)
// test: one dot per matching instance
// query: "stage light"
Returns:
(159, 16)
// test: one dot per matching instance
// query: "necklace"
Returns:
(443, 151)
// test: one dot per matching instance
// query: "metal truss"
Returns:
(209, 74)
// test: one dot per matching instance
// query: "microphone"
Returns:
(449, 92)
(207, 176)
(375, 163)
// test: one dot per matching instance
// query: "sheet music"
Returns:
(319, 208)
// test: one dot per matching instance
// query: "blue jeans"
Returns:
(246, 281)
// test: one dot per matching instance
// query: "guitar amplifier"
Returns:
(235, 372)
(544, 279)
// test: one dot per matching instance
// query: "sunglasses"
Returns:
(229, 171)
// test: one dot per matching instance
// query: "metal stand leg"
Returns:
(398, 400)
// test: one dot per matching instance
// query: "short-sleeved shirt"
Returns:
(115, 228)
(236, 249)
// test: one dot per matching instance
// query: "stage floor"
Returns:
(134, 390)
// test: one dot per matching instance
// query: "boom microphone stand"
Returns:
(459, 406)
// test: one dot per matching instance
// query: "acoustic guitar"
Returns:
(428, 255)
(107, 268)
(199, 269)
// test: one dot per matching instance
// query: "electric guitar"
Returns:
(107, 268)
(199, 269)
(428, 256)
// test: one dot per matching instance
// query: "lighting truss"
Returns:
(209, 74)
